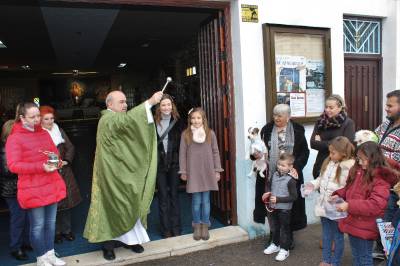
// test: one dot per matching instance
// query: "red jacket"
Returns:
(25, 157)
(366, 203)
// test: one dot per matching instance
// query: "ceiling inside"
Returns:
(56, 36)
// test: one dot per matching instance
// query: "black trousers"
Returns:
(282, 234)
(63, 222)
(168, 201)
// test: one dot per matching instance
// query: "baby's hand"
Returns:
(217, 176)
(184, 177)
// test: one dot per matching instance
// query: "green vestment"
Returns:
(124, 174)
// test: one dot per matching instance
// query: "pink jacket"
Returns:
(25, 157)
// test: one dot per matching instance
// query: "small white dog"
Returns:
(258, 152)
(364, 136)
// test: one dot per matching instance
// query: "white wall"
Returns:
(248, 68)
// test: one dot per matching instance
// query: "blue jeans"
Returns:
(19, 225)
(201, 207)
(42, 228)
(361, 250)
(330, 233)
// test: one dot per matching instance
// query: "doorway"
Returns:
(362, 44)
(168, 41)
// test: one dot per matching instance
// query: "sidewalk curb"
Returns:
(164, 248)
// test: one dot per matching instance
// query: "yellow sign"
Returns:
(249, 13)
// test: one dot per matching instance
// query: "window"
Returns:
(361, 36)
(297, 69)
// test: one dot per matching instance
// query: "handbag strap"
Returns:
(166, 131)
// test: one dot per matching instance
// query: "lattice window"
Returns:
(361, 36)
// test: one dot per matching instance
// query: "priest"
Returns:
(124, 175)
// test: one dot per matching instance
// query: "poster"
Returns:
(315, 101)
(315, 75)
(298, 104)
(386, 231)
(291, 73)
(300, 82)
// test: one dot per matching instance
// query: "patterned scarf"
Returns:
(199, 134)
(324, 122)
(274, 152)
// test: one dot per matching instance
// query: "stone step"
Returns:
(158, 249)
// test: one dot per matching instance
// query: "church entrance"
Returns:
(77, 52)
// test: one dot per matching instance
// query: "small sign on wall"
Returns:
(250, 13)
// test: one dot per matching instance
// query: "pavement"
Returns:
(306, 252)
(227, 246)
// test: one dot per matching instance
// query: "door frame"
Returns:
(225, 7)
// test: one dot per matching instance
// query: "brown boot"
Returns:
(197, 231)
(205, 235)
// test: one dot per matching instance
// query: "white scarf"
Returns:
(55, 134)
(199, 134)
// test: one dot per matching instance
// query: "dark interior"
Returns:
(67, 55)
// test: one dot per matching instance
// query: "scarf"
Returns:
(274, 152)
(324, 122)
(55, 134)
(199, 134)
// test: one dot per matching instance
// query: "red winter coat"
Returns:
(25, 157)
(366, 203)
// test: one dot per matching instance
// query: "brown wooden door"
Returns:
(363, 91)
(214, 100)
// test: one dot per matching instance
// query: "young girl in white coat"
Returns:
(334, 172)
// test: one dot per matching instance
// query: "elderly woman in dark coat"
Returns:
(66, 150)
(283, 135)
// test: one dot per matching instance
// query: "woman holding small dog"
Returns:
(283, 135)
(332, 123)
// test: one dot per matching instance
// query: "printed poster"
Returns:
(298, 104)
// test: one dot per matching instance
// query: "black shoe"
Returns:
(176, 232)
(69, 236)
(137, 248)
(58, 239)
(166, 235)
(19, 254)
(26, 247)
(108, 254)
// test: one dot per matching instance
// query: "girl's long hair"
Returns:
(187, 133)
(343, 146)
(175, 114)
(376, 159)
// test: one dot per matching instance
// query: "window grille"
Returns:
(361, 36)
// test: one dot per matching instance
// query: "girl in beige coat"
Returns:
(333, 176)
(200, 166)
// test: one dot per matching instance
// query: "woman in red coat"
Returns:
(40, 186)
(366, 194)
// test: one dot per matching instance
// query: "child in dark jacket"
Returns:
(282, 194)
(365, 194)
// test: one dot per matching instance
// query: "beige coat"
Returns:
(327, 184)
(200, 162)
